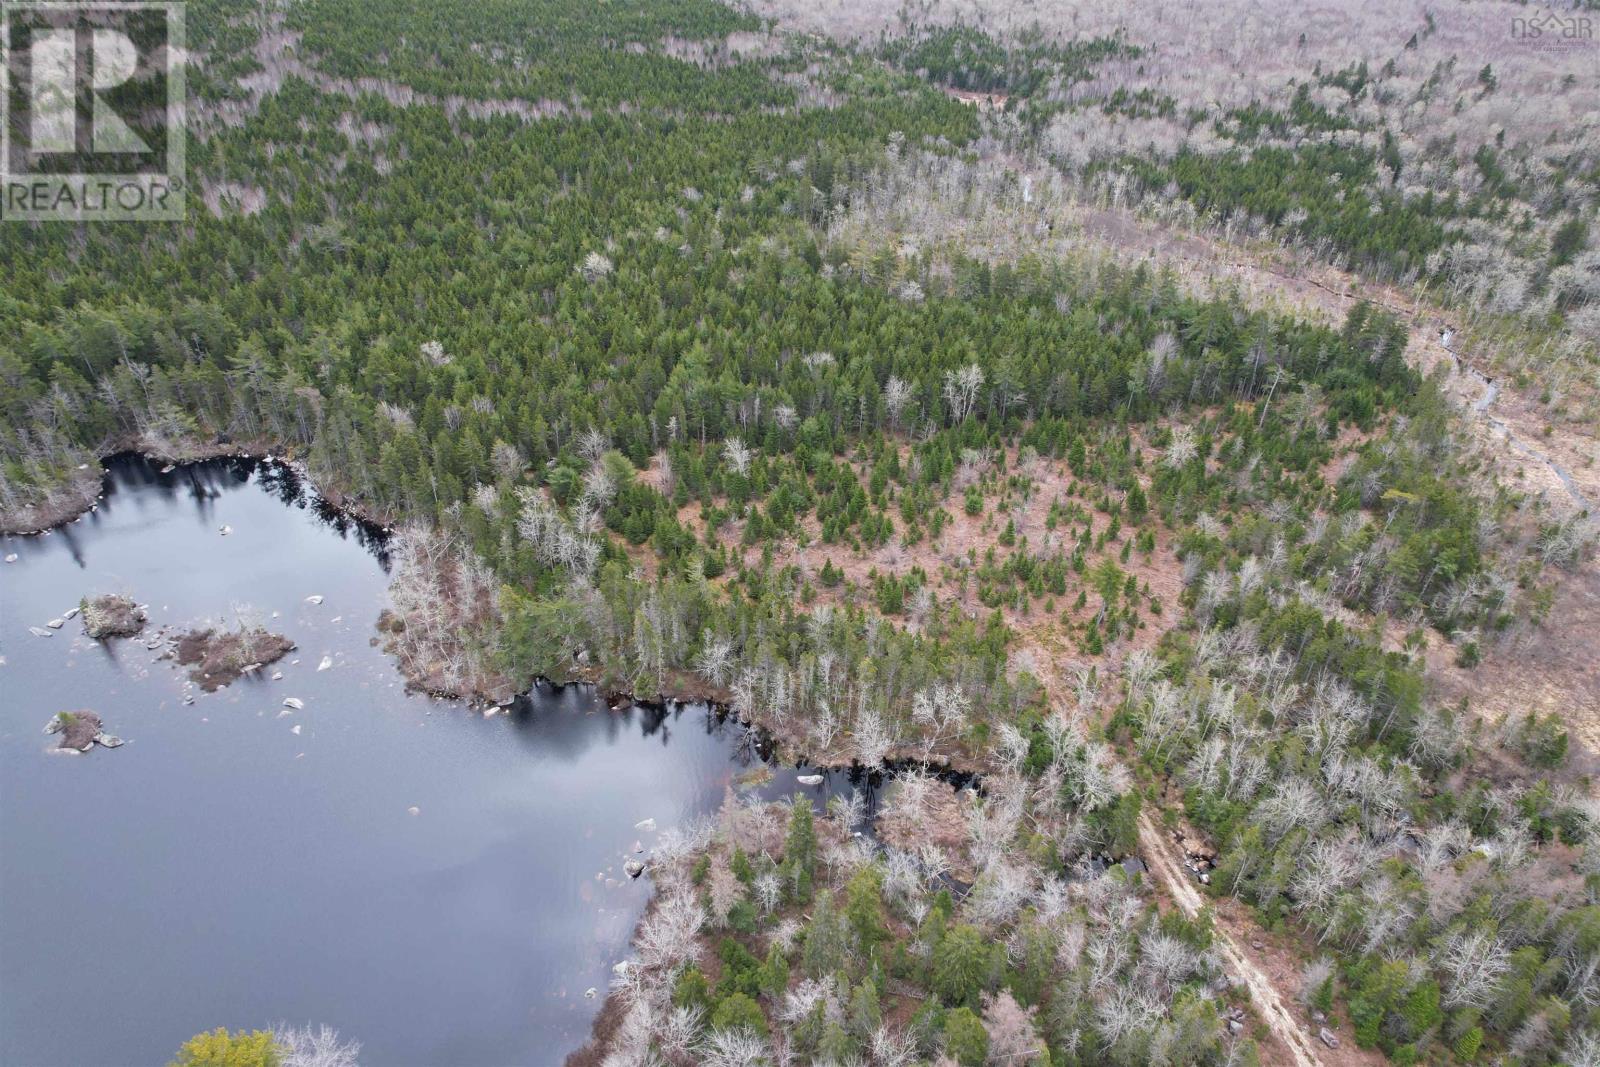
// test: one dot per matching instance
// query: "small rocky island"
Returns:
(111, 615)
(220, 657)
(80, 731)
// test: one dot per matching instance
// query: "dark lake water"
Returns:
(222, 870)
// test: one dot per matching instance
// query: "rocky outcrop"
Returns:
(220, 658)
(80, 731)
(1199, 855)
(110, 615)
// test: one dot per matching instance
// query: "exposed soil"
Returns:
(1043, 645)
(1551, 668)
(1264, 971)
(111, 615)
(982, 101)
(220, 658)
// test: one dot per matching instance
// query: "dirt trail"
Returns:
(1563, 458)
(1157, 852)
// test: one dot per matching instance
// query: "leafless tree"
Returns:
(873, 736)
(726, 890)
(592, 444)
(768, 891)
(734, 1048)
(1013, 1040)
(1314, 975)
(803, 999)
(1327, 869)
(1162, 349)
(305, 1046)
(1293, 803)
(737, 455)
(507, 460)
(1582, 1050)
(897, 396)
(667, 936)
(897, 1049)
(680, 1030)
(1165, 963)
(715, 660)
(1000, 893)
(848, 811)
(555, 541)
(595, 267)
(940, 712)
(819, 362)
(1387, 913)
(961, 390)
(1181, 448)
(1473, 964)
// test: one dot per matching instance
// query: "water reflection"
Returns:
(223, 869)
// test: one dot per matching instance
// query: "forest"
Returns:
(557, 293)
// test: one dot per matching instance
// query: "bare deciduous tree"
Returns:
(897, 396)
(961, 390)
(737, 455)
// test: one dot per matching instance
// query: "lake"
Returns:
(221, 869)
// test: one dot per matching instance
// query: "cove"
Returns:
(222, 870)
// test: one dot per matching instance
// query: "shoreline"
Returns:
(87, 488)
(681, 688)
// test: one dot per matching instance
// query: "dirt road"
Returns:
(1157, 851)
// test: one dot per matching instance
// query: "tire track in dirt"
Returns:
(1158, 858)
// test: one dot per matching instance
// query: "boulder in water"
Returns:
(293, 702)
(809, 779)
(634, 868)
(647, 825)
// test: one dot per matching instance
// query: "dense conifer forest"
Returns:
(579, 299)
